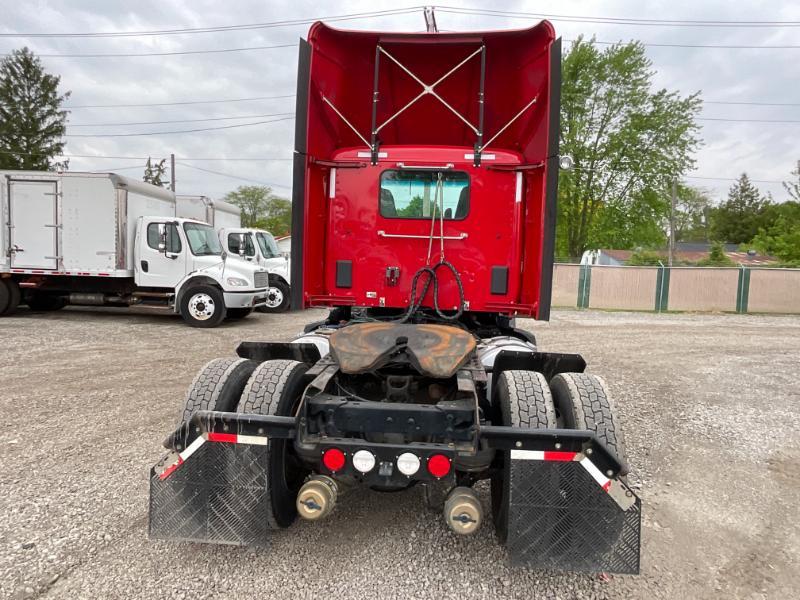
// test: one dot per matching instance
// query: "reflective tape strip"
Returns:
(549, 455)
(190, 449)
(257, 440)
(232, 438)
(604, 481)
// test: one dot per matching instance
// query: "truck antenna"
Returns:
(430, 20)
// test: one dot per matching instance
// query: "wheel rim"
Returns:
(202, 307)
(274, 297)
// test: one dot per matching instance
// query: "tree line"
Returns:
(629, 141)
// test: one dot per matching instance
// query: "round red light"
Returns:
(438, 465)
(333, 459)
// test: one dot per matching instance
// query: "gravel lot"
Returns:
(709, 405)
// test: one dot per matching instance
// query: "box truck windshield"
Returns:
(267, 244)
(202, 239)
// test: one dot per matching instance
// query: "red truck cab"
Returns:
(417, 148)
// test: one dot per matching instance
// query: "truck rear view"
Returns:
(425, 185)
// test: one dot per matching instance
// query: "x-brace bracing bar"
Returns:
(374, 143)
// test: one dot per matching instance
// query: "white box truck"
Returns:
(259, 247)
(217, 213)
(103, 239)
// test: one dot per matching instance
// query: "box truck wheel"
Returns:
(203, 306)
(218, 386)
(521, 399)
(40, 302)
(277, 297)
(9, 296)
(276, 388)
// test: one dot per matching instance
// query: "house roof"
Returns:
(738, 257)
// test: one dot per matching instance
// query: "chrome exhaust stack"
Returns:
(463, 511)
(317, 498)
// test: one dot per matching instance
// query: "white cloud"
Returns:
(765, 151)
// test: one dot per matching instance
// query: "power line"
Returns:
(287, 187)
(218, 158)
(616, 20)
(181, 53)
(179, 103)
(749, 120)
(752, 103)
(109, 135)
(291, 114)
(241, 27)
(712, 46)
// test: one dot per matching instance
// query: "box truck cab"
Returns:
(259, 247)
(103, 239)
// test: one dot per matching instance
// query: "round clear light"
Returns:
(407, 464)
(364, 461)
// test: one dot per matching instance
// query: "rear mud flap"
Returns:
(564, 514)
(219, 496)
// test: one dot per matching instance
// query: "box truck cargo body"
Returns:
(86, 238)
(214, 212)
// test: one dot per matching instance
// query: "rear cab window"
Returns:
(423, 194)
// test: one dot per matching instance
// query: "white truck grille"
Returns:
(261, 279)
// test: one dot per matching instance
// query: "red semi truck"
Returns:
(425, 187)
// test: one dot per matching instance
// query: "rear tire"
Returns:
(276, 388)
(277, 297)
(218, 386)
(40, 302)
(520, 399)
(5, 296)
(203, 306)
(238, 313)
(584, 402)
(12, 296)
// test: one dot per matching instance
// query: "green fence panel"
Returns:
(584, 286)
(743, 290)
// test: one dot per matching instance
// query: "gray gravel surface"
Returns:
(709, 405)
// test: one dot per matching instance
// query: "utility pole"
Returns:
(172, 172)
(430, 20)
(672, 220)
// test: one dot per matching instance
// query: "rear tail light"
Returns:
(364, 461)
(438, 465)
(333, 459)
(407, 464)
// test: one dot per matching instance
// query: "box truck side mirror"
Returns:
(162, 237)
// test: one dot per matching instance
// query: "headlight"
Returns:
(237, 282)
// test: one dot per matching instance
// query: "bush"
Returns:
(717, 257)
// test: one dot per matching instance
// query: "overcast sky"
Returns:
(767, 151)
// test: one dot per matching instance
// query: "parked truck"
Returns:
(216, 213)
(259, 247)
(424, 206)
(102, 239)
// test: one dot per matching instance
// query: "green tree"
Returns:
(739, 218)
(261, 208)
(32, 123)
(781, 236)
(414, 208)
(716, 257)
(793, 187)
(628, 142)
(279, 219)
(691, 214)
(156, 172)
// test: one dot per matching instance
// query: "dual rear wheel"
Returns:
(269, 388)
(10, 297)
(569, 401)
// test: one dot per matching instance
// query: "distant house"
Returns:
(284, 243)
(685, 252)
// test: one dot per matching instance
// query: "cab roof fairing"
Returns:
(342, 78)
